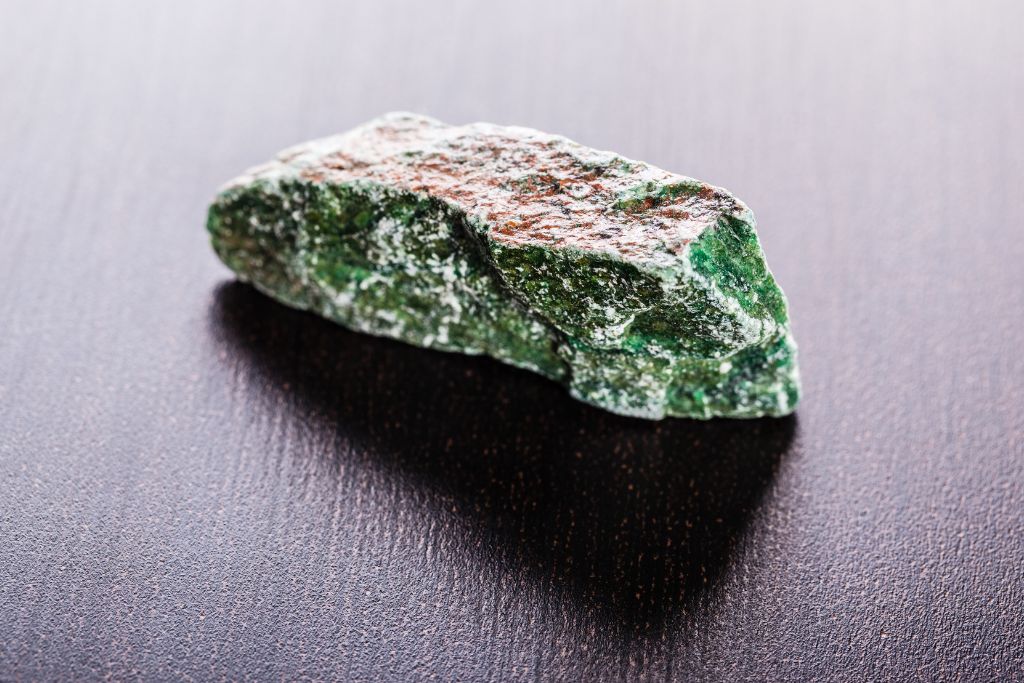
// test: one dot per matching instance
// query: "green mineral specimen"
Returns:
(645, 292)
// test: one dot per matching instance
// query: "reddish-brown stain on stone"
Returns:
(528, 186)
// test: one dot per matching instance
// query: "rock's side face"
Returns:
(643, 291)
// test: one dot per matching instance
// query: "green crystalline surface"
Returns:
(650, 327)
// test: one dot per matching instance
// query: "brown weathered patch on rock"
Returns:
(532, 187)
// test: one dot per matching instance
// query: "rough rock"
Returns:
(645, 292)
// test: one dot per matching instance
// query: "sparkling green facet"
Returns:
(646, 293)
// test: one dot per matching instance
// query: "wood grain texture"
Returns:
(198, 484)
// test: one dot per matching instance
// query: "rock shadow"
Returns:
(633, 519)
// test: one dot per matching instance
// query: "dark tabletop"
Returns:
(197, 483)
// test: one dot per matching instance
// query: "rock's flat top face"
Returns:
(532, 187)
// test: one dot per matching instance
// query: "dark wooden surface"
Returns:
(198, 484)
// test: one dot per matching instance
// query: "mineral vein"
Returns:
(645, 292)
